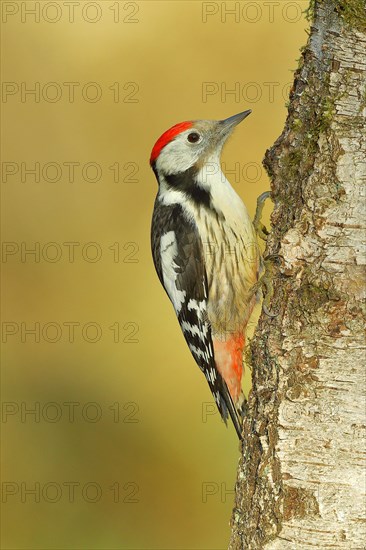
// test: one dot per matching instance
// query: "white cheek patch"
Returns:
(177, 156)
(168, 252)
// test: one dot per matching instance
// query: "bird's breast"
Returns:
(232, 259)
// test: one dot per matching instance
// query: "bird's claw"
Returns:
(261, 230)
(266, 282)
(271, 257)
(263, 197)
(269, 313)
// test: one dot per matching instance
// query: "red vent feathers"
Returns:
(165, 138)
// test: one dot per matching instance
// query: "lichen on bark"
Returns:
(300, 474)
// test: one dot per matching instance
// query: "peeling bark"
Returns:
(301, 477)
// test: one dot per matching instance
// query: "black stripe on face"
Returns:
(186, 182)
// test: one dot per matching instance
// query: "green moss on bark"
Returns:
(353, 12)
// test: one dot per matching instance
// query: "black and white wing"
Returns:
(180, 264)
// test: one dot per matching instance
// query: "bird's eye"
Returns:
(193, 137)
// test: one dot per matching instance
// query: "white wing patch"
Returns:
(199, 353)
(211, 375)
(168, 251)
(200, 331)
(200, 307)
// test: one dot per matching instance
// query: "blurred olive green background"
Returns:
(150, 463)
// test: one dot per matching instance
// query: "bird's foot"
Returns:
(267, 285)
(261, 230)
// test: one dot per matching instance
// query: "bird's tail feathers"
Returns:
(227, 406)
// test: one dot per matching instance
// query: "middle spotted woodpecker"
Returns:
(206, 254)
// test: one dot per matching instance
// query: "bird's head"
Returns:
(191, 144)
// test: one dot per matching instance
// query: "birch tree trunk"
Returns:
(301, 477)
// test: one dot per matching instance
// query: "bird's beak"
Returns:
(226, 126)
